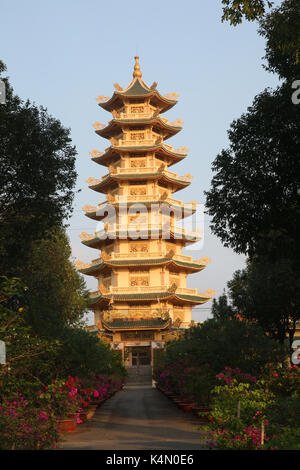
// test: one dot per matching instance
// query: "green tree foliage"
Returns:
(235, 11)
(281, 29)
(56, 294)
(37, 168)
(221, 309)
(33, 359)
(223, 343)
(29, 358)
(253, 199)
(84, 355)
(268, 294)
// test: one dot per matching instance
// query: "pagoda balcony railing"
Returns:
(148, 226)
(147, 255)
(146, 289)
(143, 227)
(154, 289)
(181, 150)
(148, 197)
(127, 312)
(141, 170)
(136, 143)
(145, 115)
(152, 169)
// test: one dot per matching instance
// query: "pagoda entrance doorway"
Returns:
(138, 365)
(141, 356)
(137, 356)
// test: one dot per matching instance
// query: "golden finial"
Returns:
(137, 71)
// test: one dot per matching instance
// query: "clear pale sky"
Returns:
(63, 54)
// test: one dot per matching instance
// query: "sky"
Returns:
(63, 54)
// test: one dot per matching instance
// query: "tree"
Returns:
(268, 294)
(281, 28)
(222, 343)
(83, 354)
(29, 358)
(56, 296)
(252, 10)
(221, 309)
(37, 168)
(253, 200)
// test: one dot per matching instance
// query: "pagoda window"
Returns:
(137, 101)
(137, 136)
(137, 109)
(138, 183)
(138, 163)
(138, 155)
(139, 278)
(163, 185)
(137, 247)
(137, 128)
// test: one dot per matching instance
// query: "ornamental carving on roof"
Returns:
(103, 289)
(203, 260)
(177, 123)
(208, 293)
(173, 288)
(86, 236)
(118, 87)
(88, 208)
(98, 126)
(112, 169)
(114, 141)
(102, 99)
(182, 150)
(95, 153)
(162, 167)
(111, 198)
(170, 254)
(186, 177)
(92, 181)
(81, 265)
(177, 323)
(105, 256)
(171, 96)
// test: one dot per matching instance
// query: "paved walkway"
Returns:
(138, 417)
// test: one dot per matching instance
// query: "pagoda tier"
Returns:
(114, 155)
(177, 207)
(141, 272)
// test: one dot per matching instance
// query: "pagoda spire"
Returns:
(137, 70)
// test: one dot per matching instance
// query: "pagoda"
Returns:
(142, 296)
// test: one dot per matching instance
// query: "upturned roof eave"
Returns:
(107, 155)
(107, 132)
(92, 270)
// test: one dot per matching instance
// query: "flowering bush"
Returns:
(187, 381)
(239, 410)
(284, 381)
(63, 397)
(26, 427)
(228, 375)
(248, 438)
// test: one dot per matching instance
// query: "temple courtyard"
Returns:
(138, 417)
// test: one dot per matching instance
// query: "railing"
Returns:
(136, 143)
(146, 289)
(154, 289)
(137, 170)
(141, 170)
(147, 255)
(145, 115)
